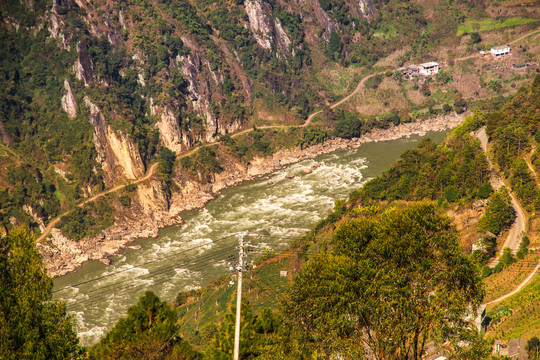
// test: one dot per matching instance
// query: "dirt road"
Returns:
(513, 240)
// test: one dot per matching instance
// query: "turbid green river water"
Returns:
(188, 257)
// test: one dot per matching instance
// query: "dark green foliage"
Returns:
(523, 248)
(533, 347)
(143, 332)
(31, 325)
(443, 77)
(125, 200)
(348, 125)
(312, 137)
(454, 170)
(399, 275)
(334, 46)
(460, 105)
(260, 143)
(523, 183)
(30, 188)
(88, 220)
(499, 213)
(256, 334)
(475, 38)
(484, 191)
(203, 164)
(512, 127)
(166, 161)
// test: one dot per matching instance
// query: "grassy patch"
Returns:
(58, 195)
(386, 32)
(490, 24)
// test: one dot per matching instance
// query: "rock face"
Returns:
(68, 101)
(171, 134)
(363, 8)
(4, 137)
(266, 29)
(117, 153)
(201, 96)
(84, 66)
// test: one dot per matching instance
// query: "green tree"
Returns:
(392, 281)
(499, 213)
(149, 326)
(31, 325)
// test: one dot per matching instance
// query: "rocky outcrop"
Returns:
(201, 94)
(4, 137)
(68, 101)
(362, 8)
(327, 23)
(170, 133)
(84, 66)
(117, 153)
(266, 29)
(56, 24)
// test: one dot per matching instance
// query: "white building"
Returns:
(429, 68)
(500, 50)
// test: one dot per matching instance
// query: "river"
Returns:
(276, 208)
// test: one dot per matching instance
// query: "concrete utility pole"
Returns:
(240, 269)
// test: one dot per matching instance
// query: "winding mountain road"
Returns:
(308, 121)
(516, 232)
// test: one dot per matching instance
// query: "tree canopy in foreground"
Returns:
(392, 281)
(31, 325)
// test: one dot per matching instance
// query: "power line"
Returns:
(180, 328)
(141, 264)
(98, 294)
(161, 270)
(103, 292)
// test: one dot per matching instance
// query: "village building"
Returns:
(516, 349)
(428, 68)
(481, 242)
(502, 50)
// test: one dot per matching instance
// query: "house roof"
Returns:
(516, 346)
(412, 67)
(500, 47)
(429, 64)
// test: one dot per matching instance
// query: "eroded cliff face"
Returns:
(117, 153)
(68, 101)
(266, 29)
(84, 66)
(363, 8)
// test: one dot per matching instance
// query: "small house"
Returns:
(516, 349)
(502, 50)
(497, 346)
(429, 68)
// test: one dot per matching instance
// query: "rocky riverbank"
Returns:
(152, 210)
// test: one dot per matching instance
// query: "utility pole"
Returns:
(240, 269)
